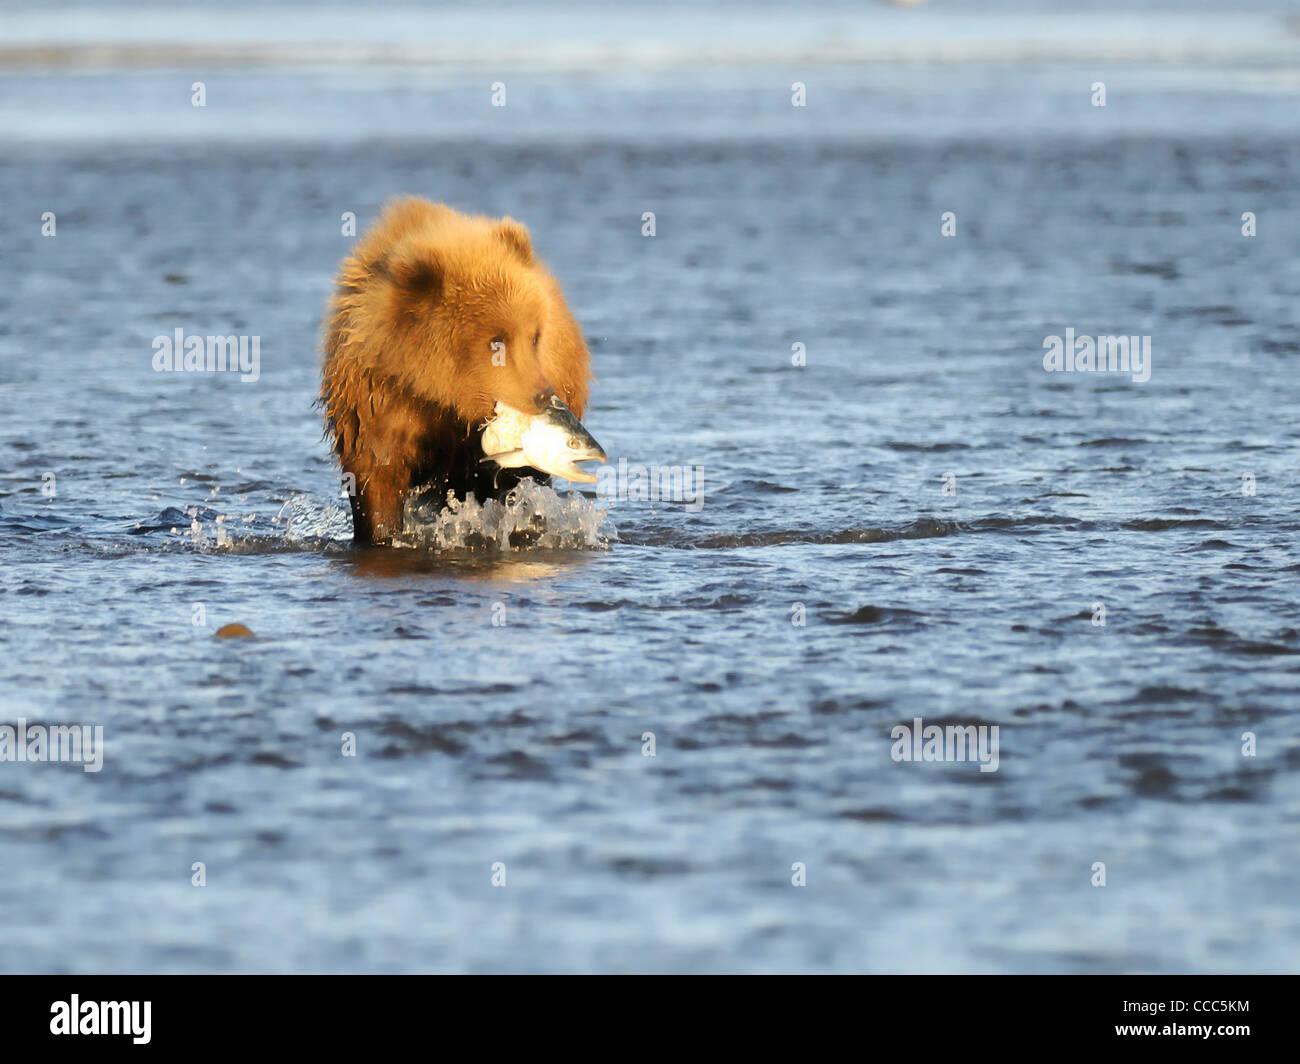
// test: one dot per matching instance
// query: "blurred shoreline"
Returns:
(283, 74)
(572, 38)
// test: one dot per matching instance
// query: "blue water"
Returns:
(184, 502)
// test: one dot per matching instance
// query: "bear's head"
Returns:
(468, 295)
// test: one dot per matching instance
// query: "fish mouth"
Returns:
(552, 441)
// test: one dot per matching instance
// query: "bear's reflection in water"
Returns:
(388, 564)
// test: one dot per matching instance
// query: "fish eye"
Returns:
(573, 443)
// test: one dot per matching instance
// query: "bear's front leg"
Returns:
(377, 505)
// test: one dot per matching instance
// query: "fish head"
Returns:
(551, 439)
(555, 441)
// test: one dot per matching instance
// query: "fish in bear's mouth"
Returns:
(552, 441)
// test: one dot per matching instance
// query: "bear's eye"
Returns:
(537, 336)
(496, 343)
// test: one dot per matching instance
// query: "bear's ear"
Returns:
(516, 239)
(417, 269)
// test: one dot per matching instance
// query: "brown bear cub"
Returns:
(437, 318)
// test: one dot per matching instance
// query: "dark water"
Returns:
(521, 742)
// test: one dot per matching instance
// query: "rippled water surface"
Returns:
(499, 700)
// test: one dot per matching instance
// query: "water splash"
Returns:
(303, 521)
(532, 516)
(207, 529)
(308, 520)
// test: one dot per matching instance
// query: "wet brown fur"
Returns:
(409, 378)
